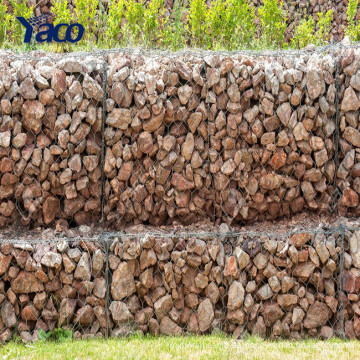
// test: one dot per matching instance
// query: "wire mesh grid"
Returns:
(281, 284)
(130, 136)
(158, 137)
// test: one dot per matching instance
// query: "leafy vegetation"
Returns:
(273, 23)
(306, 33)
(353, 28)
(58, 335)
(222, 24)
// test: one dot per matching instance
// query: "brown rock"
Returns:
(26, 283)
(235, 296)
(168, 327)
(317, 315)
(123, 284)
(205, 315)
(33, 112)
(350, 101)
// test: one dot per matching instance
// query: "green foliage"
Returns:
(197, 22)
(218, 24)
(273, 23)
(113, 29)
(58, 335)
(85, 11)
(5, 23)
(323, 27)
(16, 30)
(153, 22)
(215, 21)
(173, 35)
(303, 34)
(60, 10)
(134, 16)
(239, 25)
(352, 30)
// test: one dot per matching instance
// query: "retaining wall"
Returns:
(293, 284)
(157, 138)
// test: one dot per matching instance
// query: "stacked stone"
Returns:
(348, 174)
(227, 138)
(224, 137)
(349, 298)
(271, 287)
(50, 285)
(50, 139)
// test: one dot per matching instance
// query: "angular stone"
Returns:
(26, 283)
(120, 312)
(317, 315)
(123, 284)
(205, 315)
(235, 296)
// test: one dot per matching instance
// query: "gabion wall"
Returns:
(126, 137)
(292, 284)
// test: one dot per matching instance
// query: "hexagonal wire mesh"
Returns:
(280, 284)
(234, 137)
(52, 118)
(148, 194)
(48, 283)
(230, 137)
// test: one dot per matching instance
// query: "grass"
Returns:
(189, 348)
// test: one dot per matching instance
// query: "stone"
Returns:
(5, 138)
(205, 315)
(300, 239)
(82, 271)
(184, 93)
(236, 295)
(163, 306)
(85, 316)
(27, 89)
(33, 112)
(298, 316)
(265, 292)
(287, 300)
(120, 312)
(25, 283)
(349, 198)
(314, 83)
(271, 313)
(352, 135)
(92, 90)
(119, 118)
(168, 327)
(350, 101)
(188, 147)
(284, 112)
(58, 82)
(51, 260)
(123, 284)
(304, 270)
(260, 261)
(317, 315)
(145, 142)
(242, 257)
(8, 315)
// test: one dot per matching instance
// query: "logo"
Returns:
(52, 32)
